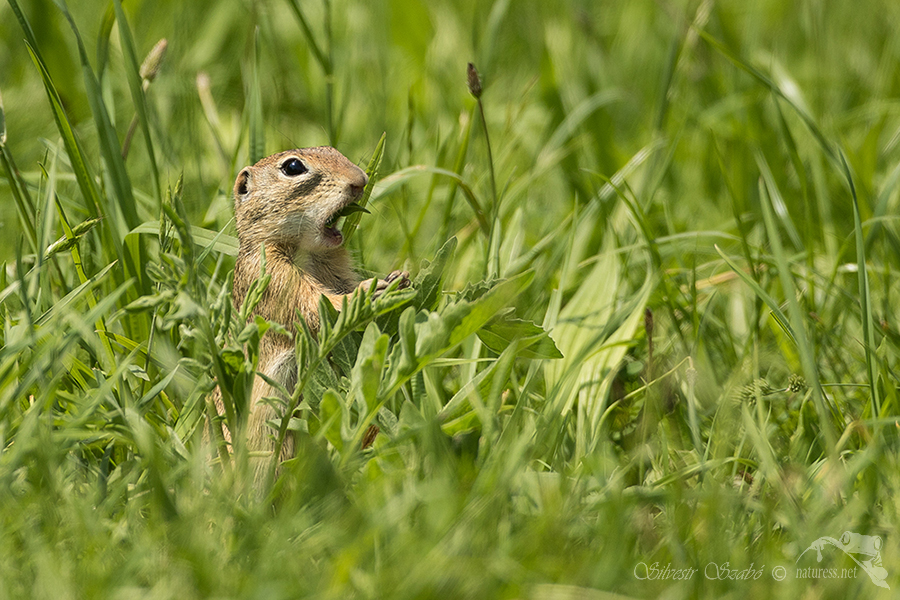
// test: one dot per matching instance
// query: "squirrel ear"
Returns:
(242, 184)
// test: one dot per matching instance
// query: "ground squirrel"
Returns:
(289, 203)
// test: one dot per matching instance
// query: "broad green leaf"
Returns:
(593, 333)
(533, 341)
(369, 364)
(331, 411)
(428, 281)
(427, 335)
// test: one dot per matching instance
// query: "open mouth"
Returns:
(332, 233)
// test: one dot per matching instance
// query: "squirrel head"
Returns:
(293, 198)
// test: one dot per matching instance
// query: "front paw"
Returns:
(383, 284)
(403, 276)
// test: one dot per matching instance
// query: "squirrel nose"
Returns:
(358, 183)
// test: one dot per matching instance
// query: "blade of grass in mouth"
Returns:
(350, 209)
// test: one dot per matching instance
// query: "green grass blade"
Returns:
(2, 122)
(324, 58)
(490, 35)
(777, 313)
(72, 236)
(106, 26)
(554, 149)
(352, 221)
(800, 170)
(458, 167)
(18, 187)
(83, 291)
(865, 295)
(804, 344)
(615, 182)
(881, 205)
(320, 56)
(399, 177)
(769, 83)
(216, 240)
(135, 86)
(257, 124)
(30, 40)
(83, 175)
(780, 207)
(122, 213)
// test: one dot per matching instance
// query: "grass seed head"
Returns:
(473, 80)
(151, 65)
(797, 384)
(757, 389)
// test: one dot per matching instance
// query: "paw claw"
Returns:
(383, 284)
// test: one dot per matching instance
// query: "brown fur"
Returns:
(287, 214)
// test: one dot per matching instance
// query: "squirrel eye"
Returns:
(293, 167)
